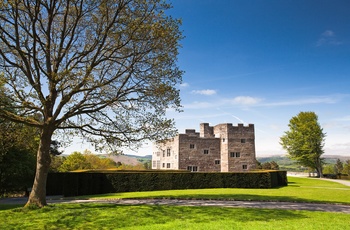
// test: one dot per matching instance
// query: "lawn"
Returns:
(113, 216)
(298, 190)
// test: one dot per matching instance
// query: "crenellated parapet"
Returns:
(220, 148)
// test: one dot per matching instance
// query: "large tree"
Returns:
(305, 140)
(105, 69)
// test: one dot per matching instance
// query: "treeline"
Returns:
(87, 160)
(268, 165)
(338, 168)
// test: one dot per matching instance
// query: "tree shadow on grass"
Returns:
(246, 197)
(9, 206)
(114, 216)
(160, 214)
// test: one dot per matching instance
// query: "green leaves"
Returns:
(80, 64)
(305, 140)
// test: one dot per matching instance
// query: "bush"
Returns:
(89, 183)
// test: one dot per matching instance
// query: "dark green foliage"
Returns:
(339, 166)
(18, 146)
(17, 169)
(89, 183)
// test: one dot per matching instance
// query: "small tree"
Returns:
(305, 140)
(346, 169)
(106, 70)
(328, 169)
(274, 165)
(75, 161)
(266, 165)
(56, 162)
(338, 167)
(258, 164)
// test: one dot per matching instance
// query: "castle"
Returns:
(219, 148)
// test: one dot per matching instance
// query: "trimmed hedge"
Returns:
(90, 183)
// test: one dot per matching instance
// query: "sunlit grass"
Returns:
(111, 216)
(298, 190)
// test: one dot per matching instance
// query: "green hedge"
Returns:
(89, 183)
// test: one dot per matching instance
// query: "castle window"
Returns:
(235, 154)
(168, 165)
(243, 140)
(154, 164)
(217, 162)
(223, 139)
(163, 165)
(244, 166)
(192, 168)
(206, 151)
(163, 153)
(191, 146)
(168, 152)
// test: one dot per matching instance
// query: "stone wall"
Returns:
(221, 148)
(199, 152)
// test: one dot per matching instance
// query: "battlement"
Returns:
(227, 128)
(191, 132)
(220, 148)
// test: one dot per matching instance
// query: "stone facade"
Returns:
(219, 148)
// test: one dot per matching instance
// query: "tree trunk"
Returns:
(319, 168)
(319, 171)
(38, 194)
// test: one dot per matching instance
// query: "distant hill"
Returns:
(332, 159)
(285, 160)
(128, 159)
(287, 164)
(148, 157)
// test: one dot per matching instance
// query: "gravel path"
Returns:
(217, 203)
(231, 204)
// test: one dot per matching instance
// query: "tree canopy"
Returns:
(78, 161)
(305, 140)
(105, 69)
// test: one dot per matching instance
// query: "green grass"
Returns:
(298, 190)
(111, 216)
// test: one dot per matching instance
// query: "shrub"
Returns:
(89, 183)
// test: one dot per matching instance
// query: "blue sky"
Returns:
(263, 62)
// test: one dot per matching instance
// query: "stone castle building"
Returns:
(219, 148)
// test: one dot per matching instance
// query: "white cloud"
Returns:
(207, 92)
(245, 100)
(328, 37)
(248, 101)
(184, 85)
(328, 33)
(306, 101)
